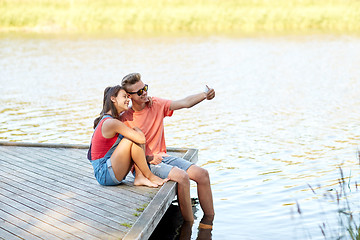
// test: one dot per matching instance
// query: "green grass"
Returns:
(180, 16)
(140, 209)
(128, 225)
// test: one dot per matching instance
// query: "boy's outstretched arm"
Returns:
(192, 100)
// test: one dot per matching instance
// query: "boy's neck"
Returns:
(138, 107)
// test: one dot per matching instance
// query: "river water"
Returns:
(285, 116)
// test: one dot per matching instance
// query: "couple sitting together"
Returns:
(134, 137)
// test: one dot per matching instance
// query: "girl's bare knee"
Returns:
(125, 142)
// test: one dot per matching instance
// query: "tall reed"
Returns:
(181, 16)
(348, 218)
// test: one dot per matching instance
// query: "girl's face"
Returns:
(121, 101)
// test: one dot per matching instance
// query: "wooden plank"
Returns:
(88, 172)
(56, 224)
(31, 216)
(94, 203)
(16, 218)
(48, 215)
(83, 211)
(46, 145)
(5, 234)
(17, 232)
(69, 178)
(100, 209)
(88, 176)
(86, 210)
(55, 181)
(66, 212)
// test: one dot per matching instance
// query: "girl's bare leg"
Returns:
(124, 155)
(138, 156)
(141, 180)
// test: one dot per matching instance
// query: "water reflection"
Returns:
(202, 234)
(172, 226)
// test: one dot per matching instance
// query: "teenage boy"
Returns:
(150, 120)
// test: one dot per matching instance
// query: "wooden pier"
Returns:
(48, 191)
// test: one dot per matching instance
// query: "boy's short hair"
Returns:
(130, 79)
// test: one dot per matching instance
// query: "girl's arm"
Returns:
(112, 126)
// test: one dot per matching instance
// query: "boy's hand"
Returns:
(149, 101)
(137, 129)
(210, 93)
(156, 159)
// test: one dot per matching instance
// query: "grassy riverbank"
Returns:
(181, 16)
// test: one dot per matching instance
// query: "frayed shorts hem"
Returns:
(104, 172)
(163, 169)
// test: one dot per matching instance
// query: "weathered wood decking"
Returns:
(48, 191)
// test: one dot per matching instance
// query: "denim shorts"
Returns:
(104, 173)
(163, 169)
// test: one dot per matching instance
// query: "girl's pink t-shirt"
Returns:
(150, 121)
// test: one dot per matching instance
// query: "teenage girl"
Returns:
(116, 148)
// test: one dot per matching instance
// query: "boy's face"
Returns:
(136, 88)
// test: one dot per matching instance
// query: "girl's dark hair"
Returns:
(108, 105)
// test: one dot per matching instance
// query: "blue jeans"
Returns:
(103, 171)
(163, 169)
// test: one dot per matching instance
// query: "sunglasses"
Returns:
(141, 91)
